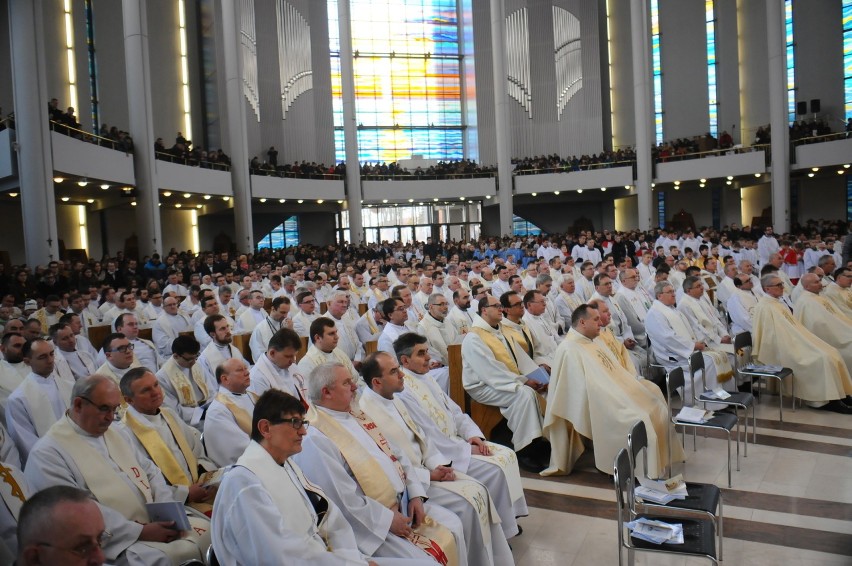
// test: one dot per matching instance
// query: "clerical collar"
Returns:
(222, 346)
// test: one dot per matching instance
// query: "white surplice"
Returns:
(223, 437)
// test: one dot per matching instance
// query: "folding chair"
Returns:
(723, 421)
(742, 343)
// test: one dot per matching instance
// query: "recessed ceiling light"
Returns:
(580, 191)
(603, 189)
(226, 199)
(133, 203)
(90, 200)
(703, 180)
(814, 169)
(730, 178)
(535, 194)
(300, 201)
(282, 200)
(320, 201)
(104, 187)
(435, 199)
(13, 195)
(810, 174)
(461, 198)
(729, 182)
(411, 200)
(701, 185)
(677, 182)
(197, 206)
(82, 183)
(556, 193)
(846, 166)
(65, 199)
(206, 197)
(341, 202)
(840, 171)
(167, 193)
(627, 187)
(58, 179)
(487, 197)
(178, 205)
(186, 195)
(757, 175)
(384, 200)
(263, 200)
(653, 185)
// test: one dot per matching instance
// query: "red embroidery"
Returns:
(369, 426)
(136, 472)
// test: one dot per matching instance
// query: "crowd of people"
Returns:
(183, 151)
(554, 163)
(579, 318)
(66, 123)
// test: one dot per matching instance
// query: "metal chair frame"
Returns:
(742, 342)
(737, 400)
(637, 442)
(626, 504)
(724, 422)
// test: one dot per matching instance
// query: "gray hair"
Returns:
(84, 386)
(336, 295)
(542, 279)
(132, 376)
(689, 282)
(624, 274)
(660, 287)
(321, 376)
(433, 298)
(35, 520)
(768, 280)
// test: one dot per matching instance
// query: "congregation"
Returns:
(308, 402)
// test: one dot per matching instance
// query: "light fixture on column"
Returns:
(90, 200)
(341, 202)
(133, 203)
(13, 195)
(178, 205)
(810, 174)
(195, 236)
(461, 198)
(385, 201)
(226, 198)
(81, 221)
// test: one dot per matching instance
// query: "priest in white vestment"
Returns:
(567, 299)
(544, 333)
(144, 350)
(324, 350)
(593, 395)
(39, 401)
(439, 332)
(13, 370)
(619, 323)
(741, 304)
(81, 450)
(820, 316)
(277, 368)
(673, 342)
(464, 496)
(252, 315)
(306, 313)
(491, 376)
(228, 421)
(634, 302)
(186, 390)
(77, 363)
(374, 485)
(370, 325)
(168, 326)
(14, 491)
(156, 433)
(119, 357)
(339, 312)
(266, 508)
(220, 349)
(460, 315)
(840, 291)
(277, 319)
(456, 436)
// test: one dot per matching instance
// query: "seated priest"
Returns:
(819, 315)
(228, 421)
(491, 376)
(592, 394)
(456, 436)
(373, 484)
(820, 375)
(160, 435)
(82, 450)
(267, 510)
(464, 496)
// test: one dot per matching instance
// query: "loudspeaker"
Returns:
(815, 106)
(801, 108)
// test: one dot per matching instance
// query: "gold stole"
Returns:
(182, 386)
(240, 415)
(160, 453)
(521, 337)
(41, 316)
(386, 423)
(10, 491)
(427, 400)
(498, 348)
(432, 538)
(107, 487)
(40, 407)
(618, 350)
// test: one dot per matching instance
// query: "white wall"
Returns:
(68, 225)
(818, 32)
(696, 201)
(177, 229)
(754, 200)
(626, 212)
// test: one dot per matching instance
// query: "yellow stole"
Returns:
(618, 350)
(240, 415)
(498, 348)
(521, 337)
(160, 452)
(107, 487)
(432, 538)
(182, 386)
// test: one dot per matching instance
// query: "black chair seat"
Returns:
(719, 420)
(782, 374)
(745, 399)
(700, 497)
(698, 537)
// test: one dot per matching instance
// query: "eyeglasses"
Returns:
(103, 409)
(307, 302)
(86, 550)
(496, 306)
(440, 304)
(518, 304)
(295, 422)
(400, 309)
(123, 349)
(190, 358)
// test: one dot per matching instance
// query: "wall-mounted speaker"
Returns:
(815, 106)
(801, 108)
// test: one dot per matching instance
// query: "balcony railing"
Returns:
(88, 137)
(191, 161)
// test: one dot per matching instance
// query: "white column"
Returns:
(778, 114)
(350, 129)
(32, 142)
(640, 35)
(501, 116)
(138, 75)
(234, 126)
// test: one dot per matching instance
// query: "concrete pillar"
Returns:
(350, 130)
(778, 115)
(32, 144)
(640, 35)
(501, 116)
(138, 74)
(235, 125)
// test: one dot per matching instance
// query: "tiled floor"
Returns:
(790, 504)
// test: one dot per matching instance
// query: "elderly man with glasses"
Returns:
(82, 450)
